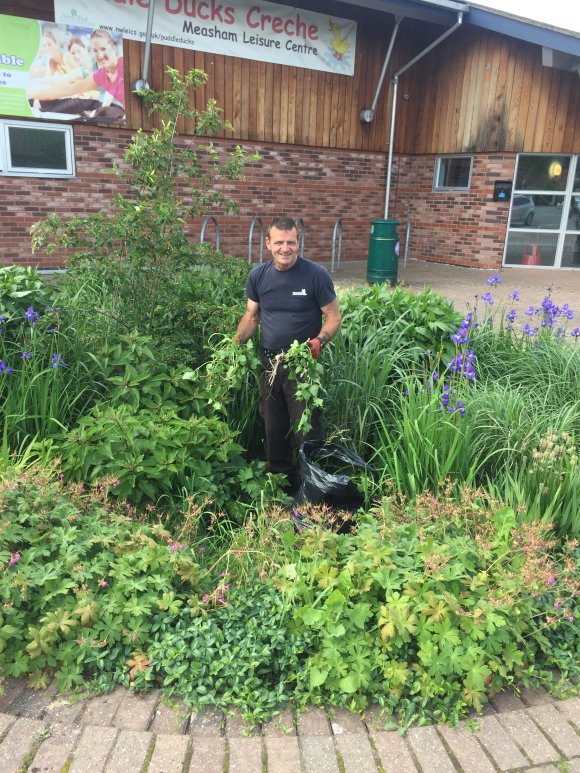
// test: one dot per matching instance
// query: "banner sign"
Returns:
(63, 72)
(266, 32)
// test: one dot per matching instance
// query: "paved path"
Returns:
(460, 285)
(120, 732)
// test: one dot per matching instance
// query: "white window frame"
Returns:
(438, 162)
(563, 231)
(7, 169)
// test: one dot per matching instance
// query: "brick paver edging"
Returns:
(125, 733)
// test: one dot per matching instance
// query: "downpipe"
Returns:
(395, 82)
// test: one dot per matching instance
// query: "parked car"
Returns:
(523, 210)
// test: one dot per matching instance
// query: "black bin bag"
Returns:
(318, 486)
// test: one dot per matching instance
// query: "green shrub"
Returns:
(385, 334)
(427, 612)
(133, 260)
(21, 288)
(424, 319)
(242, 654)
(152, 454)
(82, 586)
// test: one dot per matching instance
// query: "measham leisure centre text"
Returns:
(247, 39)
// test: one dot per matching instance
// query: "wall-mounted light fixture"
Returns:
(555, 169)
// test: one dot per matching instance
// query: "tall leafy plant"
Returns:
(137, 251)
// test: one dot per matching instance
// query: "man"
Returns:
(288, 296)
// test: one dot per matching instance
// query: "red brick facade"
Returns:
(465, 228)
(317, 185)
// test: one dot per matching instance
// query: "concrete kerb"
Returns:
(524, 733)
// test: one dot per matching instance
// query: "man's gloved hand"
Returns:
(315, 345)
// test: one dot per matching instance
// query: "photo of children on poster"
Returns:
(63, 72)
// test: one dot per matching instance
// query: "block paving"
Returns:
(122, 732)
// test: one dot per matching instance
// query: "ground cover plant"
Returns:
(428, 609)
(142, 542)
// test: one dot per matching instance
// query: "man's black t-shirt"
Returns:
(290, 301)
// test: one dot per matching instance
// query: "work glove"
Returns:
(315, 345)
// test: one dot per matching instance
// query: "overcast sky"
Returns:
(564, 14)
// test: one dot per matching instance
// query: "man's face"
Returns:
(284, 248)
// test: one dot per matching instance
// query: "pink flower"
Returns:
(571, 618)
(550, 580)
(205, 598)
(556, 605)
(227, 586)
(14, 559)
(222, 574)
(173, 548)
(103, 583)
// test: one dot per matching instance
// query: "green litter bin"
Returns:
(383, 259)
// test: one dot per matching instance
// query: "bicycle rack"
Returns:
(217, 231)
(251, 236)
(336, 253)
(300, 224)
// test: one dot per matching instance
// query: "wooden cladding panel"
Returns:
(486, 92)
(477, 91)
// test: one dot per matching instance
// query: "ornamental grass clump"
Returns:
(545, 486)
(46, 382)
(423, 440)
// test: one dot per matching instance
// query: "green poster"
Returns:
(19, 47)
(61, 72)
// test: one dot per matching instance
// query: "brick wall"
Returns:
(317, 185)
(464, 228)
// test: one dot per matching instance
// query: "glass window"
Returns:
(571, 251)
(36, 150)
(530, 249)
(453, 173)
(574, 215)
(542, 173)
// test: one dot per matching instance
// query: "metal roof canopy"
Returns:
(445, 11)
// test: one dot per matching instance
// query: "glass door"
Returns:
(544, 222)
(571, 237)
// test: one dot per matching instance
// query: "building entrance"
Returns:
(544, 223)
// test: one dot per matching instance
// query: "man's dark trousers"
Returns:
(281, 412)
